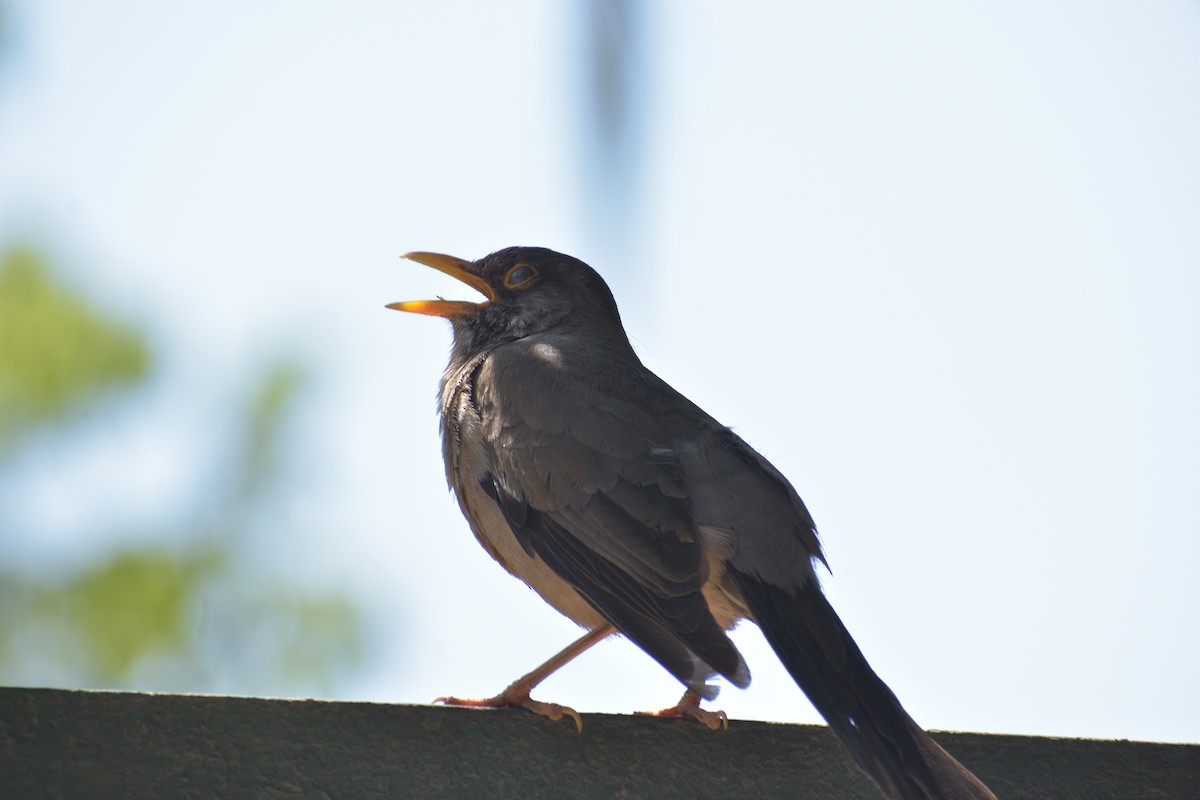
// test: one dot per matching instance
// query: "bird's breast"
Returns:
(468, 463)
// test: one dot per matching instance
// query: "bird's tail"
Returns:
(886, 743)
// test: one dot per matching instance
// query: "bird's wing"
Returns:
(587, 481)
(735, 490)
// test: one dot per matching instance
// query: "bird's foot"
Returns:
(689, 706)
(517, 696)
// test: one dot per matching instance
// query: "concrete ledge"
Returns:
(76, 744)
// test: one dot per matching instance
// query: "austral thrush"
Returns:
(629, 509)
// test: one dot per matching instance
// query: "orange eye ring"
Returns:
(520, 276)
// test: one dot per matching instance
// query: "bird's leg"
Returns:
(689, 706)
(517, 693)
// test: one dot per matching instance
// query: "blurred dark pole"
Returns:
(614, 107)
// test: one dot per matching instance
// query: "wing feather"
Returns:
(595, 493)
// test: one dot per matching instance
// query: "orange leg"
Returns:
(517, 693)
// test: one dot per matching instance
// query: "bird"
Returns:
(630, 510)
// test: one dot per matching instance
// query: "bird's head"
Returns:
(528, 290)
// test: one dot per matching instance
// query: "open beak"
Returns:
(455, 268)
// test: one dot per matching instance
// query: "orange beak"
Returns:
(455, 268)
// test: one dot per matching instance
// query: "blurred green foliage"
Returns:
(56, 352)
(266, 413)
(195, 609)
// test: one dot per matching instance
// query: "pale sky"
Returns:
(940, 264)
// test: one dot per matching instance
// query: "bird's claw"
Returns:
(511, 698)
(711, 719)
(689, 706)
(553, 711)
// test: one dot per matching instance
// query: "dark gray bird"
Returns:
(628, 508)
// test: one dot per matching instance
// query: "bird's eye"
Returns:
(520, 275)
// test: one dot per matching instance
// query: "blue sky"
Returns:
(940, 264)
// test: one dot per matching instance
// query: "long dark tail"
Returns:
(823, 659)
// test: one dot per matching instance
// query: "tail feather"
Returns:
(807, 635)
